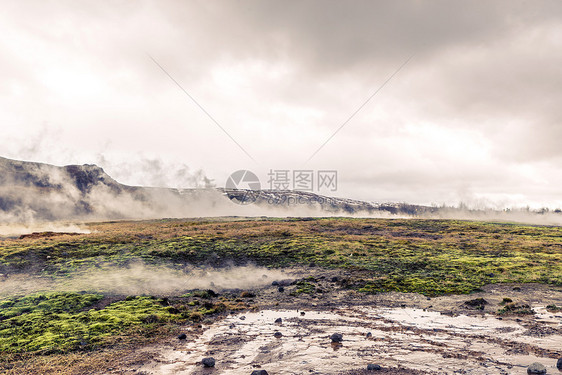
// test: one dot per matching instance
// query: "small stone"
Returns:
(476, 304)
(182, 336)
(259, 372)
(278, 334)
(281, 289)
(275, 283)
(373, 367)
(302, 313)
(242, 317)
(335, 279)
(536, 368)
(559, 364)
(286, 282)
(278, 321)
(208, 362)
(336, 337)
(369, 335)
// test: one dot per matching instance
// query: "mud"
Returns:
(409, 334)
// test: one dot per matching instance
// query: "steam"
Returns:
(152, 171)
(10, 230)
(35, 195)
(139, 278)
(523, 216)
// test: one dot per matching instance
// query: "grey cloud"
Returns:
(489, 66)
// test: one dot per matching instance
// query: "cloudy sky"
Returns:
(474, 116)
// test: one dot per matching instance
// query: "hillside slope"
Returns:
(31, 191)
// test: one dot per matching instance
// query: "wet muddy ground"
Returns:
(403, 333)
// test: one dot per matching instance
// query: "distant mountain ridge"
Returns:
(40, 191)
(24, 173)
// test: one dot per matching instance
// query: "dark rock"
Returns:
(516, 289)
(182, 336)
(278, 321)
(285, 282)
(477, 303)
(275, 283)
(281, 289)
(302, 313)
(372, 367)
(278, 335)
(536, 368)
(336, 337)
(559, 364)
(259, 372)
(335, 279)
(208, 362)
(242, 317)
(369, 335)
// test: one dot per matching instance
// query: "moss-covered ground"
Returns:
(432, 257)
(426, 256)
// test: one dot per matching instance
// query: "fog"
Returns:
(139, 278)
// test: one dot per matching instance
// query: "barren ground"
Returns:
(419, 296)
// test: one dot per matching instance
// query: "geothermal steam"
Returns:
(140, 278)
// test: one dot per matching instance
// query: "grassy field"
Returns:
(432, 257)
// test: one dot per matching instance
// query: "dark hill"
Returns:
(36, 191)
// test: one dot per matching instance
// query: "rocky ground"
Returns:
(289, 332)
(407, 296)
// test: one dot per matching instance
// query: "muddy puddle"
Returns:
(391, 337)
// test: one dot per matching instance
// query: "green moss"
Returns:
(427, 256)
(304, 287)
(57, 322)
(516, 309)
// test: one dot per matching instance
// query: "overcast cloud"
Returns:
(475, 115)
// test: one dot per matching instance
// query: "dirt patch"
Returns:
(404, 333)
